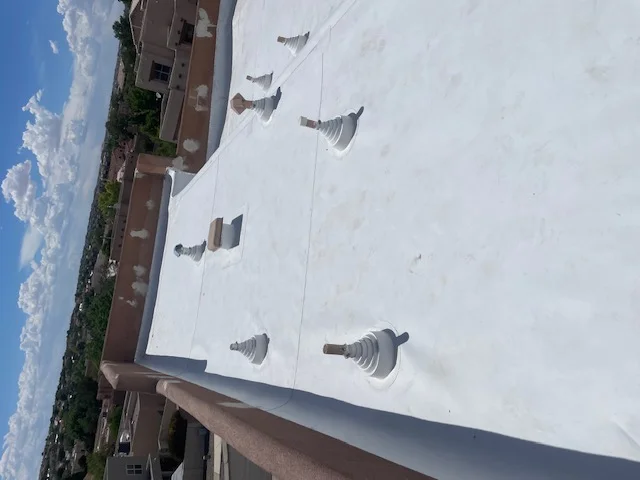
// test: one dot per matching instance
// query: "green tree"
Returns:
(114, 421)
(177, 436)
(118, 127)
(96, 464)
(82, 410)
(108, 198)
(97, 318)
(164, 149)
(122, 30)
(151, 124)
(141, 101)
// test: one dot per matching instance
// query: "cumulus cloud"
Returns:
(54, 47)
(44, 138)
(75, 131)
(18, 188)
(31, 243)
(79, 22)
(48, 193)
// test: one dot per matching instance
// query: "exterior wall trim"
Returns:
(286, 449)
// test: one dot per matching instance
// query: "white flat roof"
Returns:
(489, 207)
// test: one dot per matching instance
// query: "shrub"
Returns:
(114, 421)
(96, 463)
(177, 435)
(164, 149)
(108, 198)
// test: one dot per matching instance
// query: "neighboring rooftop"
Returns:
(122, 153)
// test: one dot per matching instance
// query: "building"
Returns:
(163, 34)
(134, 468)
(143, 416)
(99, 272)
(151, 467)
(303, 450)
(78, 453)
(473, 214)
(144, 434)
(122, 209)
(136, 219)
(120, 75)
(121, 154)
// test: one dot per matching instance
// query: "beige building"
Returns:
(163, 33)
(143, 441)
(147, 412)
(134, 468)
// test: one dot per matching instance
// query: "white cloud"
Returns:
(31, 243)
(54, 47)
(49, 193)
(18, 188)
(44, 138)
(75, 131)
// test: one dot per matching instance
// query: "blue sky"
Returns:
(54, 101)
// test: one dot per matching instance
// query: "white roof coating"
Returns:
(489, 207)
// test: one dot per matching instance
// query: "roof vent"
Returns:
(263, 107)
(294, 44)
(263, 81)
(375, 353)
(255, 349)
(338, 131)
(194, 253)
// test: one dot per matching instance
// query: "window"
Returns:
(134, 469)
(186, 35)
(160, 72)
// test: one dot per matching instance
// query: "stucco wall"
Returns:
(284, 448)
(287, 450)
(117, 468)
(157, 21)
(161, 44)
(180, 69)
(147, 417)
(185, 11)
(171, 117)
(135, 261)
(120, 220)
(153, 164)
(196, 112)
(153, 53)
(155, 29)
